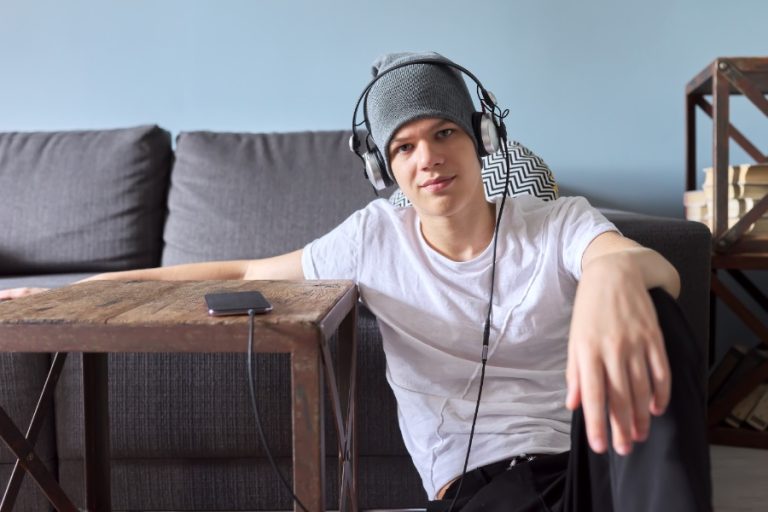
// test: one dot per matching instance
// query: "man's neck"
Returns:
(460, 237)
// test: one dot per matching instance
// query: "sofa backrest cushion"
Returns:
(82, 200)
(242, 195)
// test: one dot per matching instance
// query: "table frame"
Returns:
(311, 365)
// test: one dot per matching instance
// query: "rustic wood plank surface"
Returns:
(160, 316)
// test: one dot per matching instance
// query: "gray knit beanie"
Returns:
(415, 92)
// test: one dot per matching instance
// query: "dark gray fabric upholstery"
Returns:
(255, 195)
(184, 405)
(238, 484)
(30, 497)
(23, 376)
(82, 200)
(23, 379)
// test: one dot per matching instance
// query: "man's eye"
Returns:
(404, 148)
(445, 133)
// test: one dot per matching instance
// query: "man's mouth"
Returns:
(437, 184)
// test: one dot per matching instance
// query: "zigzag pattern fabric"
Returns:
(528, 174)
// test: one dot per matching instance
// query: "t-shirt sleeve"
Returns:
(579, 224)
(334, 255)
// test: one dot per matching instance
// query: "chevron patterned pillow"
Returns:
(528, 174)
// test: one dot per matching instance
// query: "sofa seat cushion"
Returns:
(82, 200)
(42, 280)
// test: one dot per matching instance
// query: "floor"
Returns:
(739, 479)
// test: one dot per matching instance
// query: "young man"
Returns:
(573, 324)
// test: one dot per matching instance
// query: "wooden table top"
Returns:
(170, 316)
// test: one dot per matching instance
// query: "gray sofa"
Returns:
(183, 435)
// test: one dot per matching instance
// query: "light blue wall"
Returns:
(594, 86)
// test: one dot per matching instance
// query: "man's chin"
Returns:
(437, 207)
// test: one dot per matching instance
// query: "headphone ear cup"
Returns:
(376, 170)
(486, 133)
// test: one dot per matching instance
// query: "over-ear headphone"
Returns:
(488, 125)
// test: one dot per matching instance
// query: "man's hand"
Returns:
(15, 293)
(617, 363)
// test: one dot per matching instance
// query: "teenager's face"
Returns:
(436, 166)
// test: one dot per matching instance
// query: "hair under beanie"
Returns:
(415, 92)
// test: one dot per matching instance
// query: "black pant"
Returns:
(669, 471)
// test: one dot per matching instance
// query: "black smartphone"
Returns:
(236, 303)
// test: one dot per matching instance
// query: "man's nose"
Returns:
(429, 155)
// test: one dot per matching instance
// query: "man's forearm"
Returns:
(653, 268)
(216, 270)
(287, 266)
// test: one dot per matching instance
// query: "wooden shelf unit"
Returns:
(732, 249)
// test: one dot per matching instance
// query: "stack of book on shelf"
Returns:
(747, 184)
(751, 411)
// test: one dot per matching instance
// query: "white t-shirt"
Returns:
(431, 311)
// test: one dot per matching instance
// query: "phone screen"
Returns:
(236, 303)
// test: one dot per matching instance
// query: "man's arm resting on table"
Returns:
(616, 352)
(286, 266)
